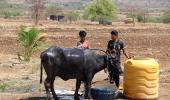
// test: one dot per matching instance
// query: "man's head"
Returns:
(114, 35)
(82, 35)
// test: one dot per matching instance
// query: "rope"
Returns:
(98, 50)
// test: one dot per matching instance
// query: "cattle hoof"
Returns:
(56, 98)
(76, 97)
(48, 96)
(87, 98)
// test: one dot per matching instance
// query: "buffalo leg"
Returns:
(76, 95)
(52, 89)
(47, 86)
(87, 85)
(87, 90)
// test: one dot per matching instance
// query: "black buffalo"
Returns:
(53, 17)
(60, 17)
(67, 63)
(57, 17)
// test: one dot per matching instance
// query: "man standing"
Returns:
(115, 46)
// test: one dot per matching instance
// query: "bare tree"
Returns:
(133, 14)
(132, 11)
(37, 7)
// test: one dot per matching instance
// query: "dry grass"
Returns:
(151, 40)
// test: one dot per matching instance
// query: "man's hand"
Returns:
(127, 56)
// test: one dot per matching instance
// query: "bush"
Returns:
(105, 21)
(53, 10)
(129, 15)
(101, 10)
(31, 40)
(8, 10)
(7, 14)
(140, 18)
(153, 19)
(3, 87)
(166, 17)
(150, 19)
(73, 16)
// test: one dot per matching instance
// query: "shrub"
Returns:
(105, 21)
(166, 17)
(3, 87)
(153, 19)
(7, 14)
(148, 19)
(73, 16)
(140, 18)
(31, 40)
(101, 10)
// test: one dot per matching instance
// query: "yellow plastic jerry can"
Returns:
(141, 78)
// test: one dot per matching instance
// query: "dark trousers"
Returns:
(114, 72)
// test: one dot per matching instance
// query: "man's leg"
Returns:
(119, 68)
(116, 73)
(110, 76)
(116, 79)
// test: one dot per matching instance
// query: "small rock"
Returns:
(7, 65)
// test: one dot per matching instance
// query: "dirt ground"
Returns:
(19, 80)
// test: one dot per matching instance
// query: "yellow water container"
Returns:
(141, 78)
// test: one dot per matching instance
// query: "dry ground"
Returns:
(20, 80)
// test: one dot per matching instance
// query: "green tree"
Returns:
(31, 40)
(100, 10)
(166, 17)
(53, 10)
(73, 16)
(140, 18)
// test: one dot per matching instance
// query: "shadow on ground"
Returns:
(118, 96)
(34, 98)
(44, 98)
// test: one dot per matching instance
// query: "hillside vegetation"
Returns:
(158, 5)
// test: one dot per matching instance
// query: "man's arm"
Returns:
(108, 47)
(124, 52)
(79, 45)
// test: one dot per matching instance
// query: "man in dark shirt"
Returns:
(115, 46)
